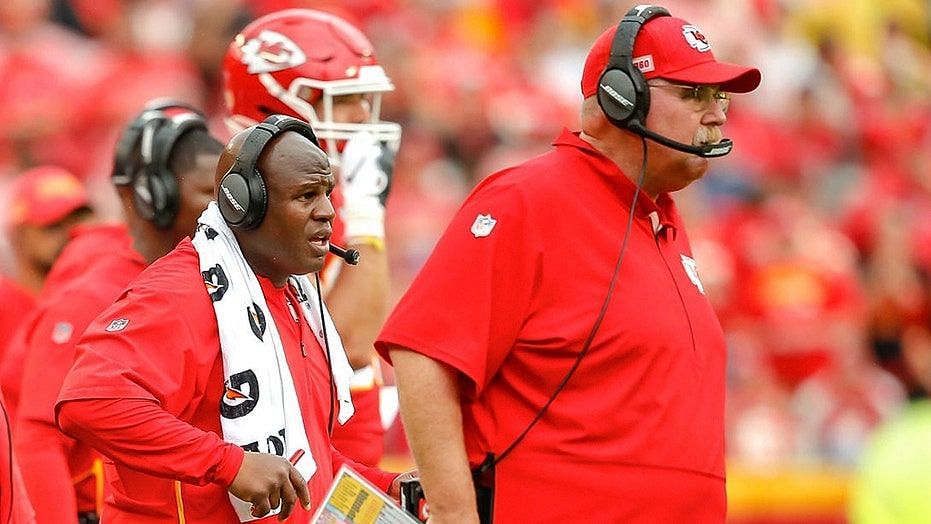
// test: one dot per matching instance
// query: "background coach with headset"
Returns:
(579, 388)
(214, 382)
(163, 171)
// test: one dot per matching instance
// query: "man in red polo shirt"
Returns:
(46, 202)
(560, 328)
(318, 67)
(214, 380)
(65, 477)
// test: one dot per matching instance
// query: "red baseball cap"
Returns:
(45, 195)
(670, 48)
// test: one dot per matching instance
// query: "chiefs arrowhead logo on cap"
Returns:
(270, 52)
(695, 39)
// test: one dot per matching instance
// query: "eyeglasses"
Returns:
(702, 94)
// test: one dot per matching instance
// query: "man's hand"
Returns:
(268, 481)
(365, 172)
(394, 490)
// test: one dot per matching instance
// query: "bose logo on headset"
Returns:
(229, 196)
(617, 96)
(243, 186)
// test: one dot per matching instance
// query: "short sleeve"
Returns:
(469, 301)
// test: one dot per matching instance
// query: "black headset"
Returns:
(241, 195)
(142, 155)
(623, 93)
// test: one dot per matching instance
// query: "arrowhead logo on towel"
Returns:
(240, 395)
(209, 231)
(256, 320)
(216, 282)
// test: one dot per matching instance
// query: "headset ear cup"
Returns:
(258, 203)
(164, 199)
(241, 194)
(143, 199)
(233, 199)
(617, 96)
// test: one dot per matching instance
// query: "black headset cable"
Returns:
(491, 460)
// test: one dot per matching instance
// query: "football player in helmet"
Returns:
(320, 68)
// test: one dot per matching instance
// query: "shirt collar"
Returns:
(661, 214)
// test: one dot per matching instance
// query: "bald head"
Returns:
(229, 154)
(296, 144)
(289, 235)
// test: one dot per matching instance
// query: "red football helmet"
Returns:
(294, 62)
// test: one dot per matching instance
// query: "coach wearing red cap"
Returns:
(45, 203)
(578, 373)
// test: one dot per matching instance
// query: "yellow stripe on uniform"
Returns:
(98, 485)
(180, 502)
(95, 471)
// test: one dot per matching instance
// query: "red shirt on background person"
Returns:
(46, 202)
(162, 192)
(64, 314)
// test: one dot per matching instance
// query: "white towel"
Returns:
(259, 407)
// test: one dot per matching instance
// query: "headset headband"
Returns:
(259, 137)
(622, 47)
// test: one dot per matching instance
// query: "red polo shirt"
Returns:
(16, 305)
(14, 501)
(17, 301)
(55, 466)
(79, 253)
(147, 394)
(508, 297)
(361, 438)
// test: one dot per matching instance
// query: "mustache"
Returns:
(707, 135)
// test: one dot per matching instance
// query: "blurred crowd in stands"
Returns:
(813, 237)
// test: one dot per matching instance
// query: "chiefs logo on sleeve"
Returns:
(117, 325)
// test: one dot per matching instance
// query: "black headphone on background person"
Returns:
(623, 93)
(142, 155)
(241, 195)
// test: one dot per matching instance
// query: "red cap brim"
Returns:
(731, 77)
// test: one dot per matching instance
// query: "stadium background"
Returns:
(813, 237)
